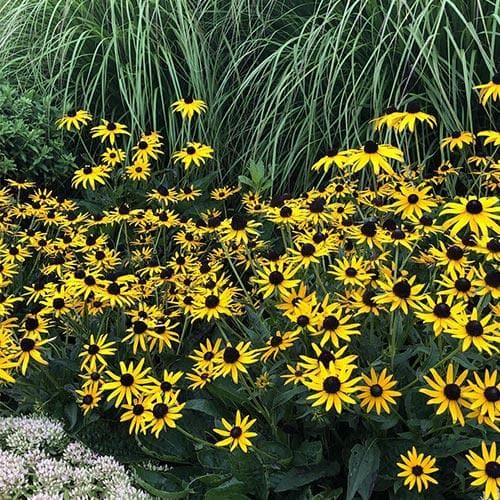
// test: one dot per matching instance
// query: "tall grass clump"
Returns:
(284, 79)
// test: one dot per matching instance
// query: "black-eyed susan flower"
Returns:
(199, 378)
(109, 130)
(167, 386)
(275, 277)
(441, 314)
(144, 150)
(413, 115)
(234, 360)
(237, 435)
(490, 137)
(482, 333)
(95, 352)
(188, 107)
(207, 354)
(90, 176)
(389, 118)
(333, 324)
(307, 253)
(457, 139)
(376, 155)
(324, 357)
(164, 413)
(488, 282)
(449, 394)
(213, 305)
(194, 152)
(413, 201)
(487, 470)
(350, 272)
(461, 287)
(113, 156)
(74, 119)
(364, 303)
(453, 257)
(296, 374)
(484, 395)
(88, 398)
(278, 343)
(30, 349)
(370, 233)
(129, 383)
(403, 294)
(239, 228)
(332, 387)
(480, 215)
(378, 391)
(417, 470)
(332, 157)
(490, 90)
(138, 414)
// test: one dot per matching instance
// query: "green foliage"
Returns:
(284, 80)
(30, 147)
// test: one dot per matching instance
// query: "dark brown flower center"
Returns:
(231, 355)
(474, 207)
(127, 379)
(402, 289)
(452, 392)
(331, 385)
(370, 147)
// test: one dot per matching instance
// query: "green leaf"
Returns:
(214, 458)
(71, 412)
(309, 453)
(230, 490)
(203, 406)
(248, 469)
(363, 468)
(298, 477)
(161, 484)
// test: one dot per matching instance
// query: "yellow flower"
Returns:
(457, 140)
(489, 90)
(74, 119)
(449, 394)
(417, 470)
(194, 152)
(378, 391)
(109, 130)
(237, 435)
(332, 387)
(377, 155)
(487, 470)
(188, 107)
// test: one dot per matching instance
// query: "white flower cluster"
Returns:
(25, 433)
(38, 462)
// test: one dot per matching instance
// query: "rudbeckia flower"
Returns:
(237, 435)
(109, 130)
(378, 392)
(413, 115)
(457, 140)
(377, 155)
(89, 176)
(487, 470)
(417, 470)
(74, 119)
(490, 90)
(194, 152)
(188, 107)
(449, 395)
(479, 214)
